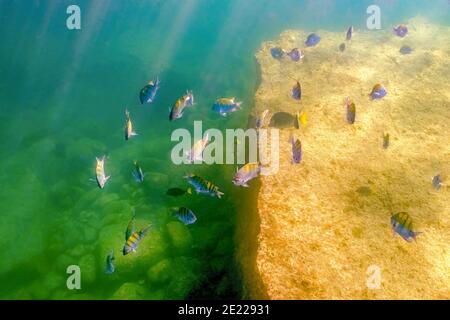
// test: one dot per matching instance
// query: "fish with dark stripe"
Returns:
(203, 186)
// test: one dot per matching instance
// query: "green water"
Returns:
(63, 95)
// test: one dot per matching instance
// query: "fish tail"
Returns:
(189, 190)
(146, 230)
(219, 194)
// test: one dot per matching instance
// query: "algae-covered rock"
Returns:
(160, 272)
(129, 291)
(179, 234)
(88, 268)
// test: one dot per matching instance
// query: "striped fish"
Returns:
(129, 132)
(196, 153)
(148, 93)
(402, 225)
(130, 226)
(223, 106)
(133, 240)
(203, 186)
(246, 173)
(100, 172)
(349, 34)
(185, 215)
(297, 91)
(351, 111)
(296, 150)
(378, 92)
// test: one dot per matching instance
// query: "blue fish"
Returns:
(437, 182)
(296, 150)
(295, 55)
(185, 215)
(378, 92)
(406, 50)
(277, 53)
(349, 33)
(402, 225)
(297, 91)
(148, 93)
(401, 30)
(224, 106)
(312, 40)
(351, 111)
(110, 268)
(137, 173)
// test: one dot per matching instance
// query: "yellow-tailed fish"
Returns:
(133, 240)
(402, 225)
(203, 186)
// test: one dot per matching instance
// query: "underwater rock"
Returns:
(179, 234)
(160, 272)
(282, 120)
(129, 291)
(88, 267)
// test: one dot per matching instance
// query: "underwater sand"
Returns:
(325, 221)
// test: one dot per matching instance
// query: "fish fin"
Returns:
(133, 134)
(219, 194)
(107, 178)
(189, 190)
(245, 185)
(223, 114)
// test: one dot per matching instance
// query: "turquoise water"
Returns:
(62, 99)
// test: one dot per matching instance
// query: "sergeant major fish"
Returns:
(351, 111)
(401, 30)
(378, 92)
(185, 215)
(296, 150)
(246, 173)
(178, 108)
(402, 225)
(133, 240)
(437, 181)
(196, 153)
(349, 34)
(312, 40)
(203, 186)
(129, 132)
(148, 93)
(223, 106)
(100, 172)
(297, 91)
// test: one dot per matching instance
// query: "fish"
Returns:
(260, 121)
(203, 186)
(349, 34)
(386, 139)
(129, 132)
(378, 92)
(130, 227)
(312, 40)
(295, 55)
(110, 268)
(100, 172)
(196, 152)
(296, 150)
(402, 225)
(246, 173)
(178, 108)
(351, 111)
(137, 173)
(300, 120)
(133, 240)
(297, 91)
(148, 93)
(223, 106)
(277, 53)
(406, 50)
(342, 47)
(177, 192)
(437, 182)
(282, 120)
(185, 215)
(401, 30)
